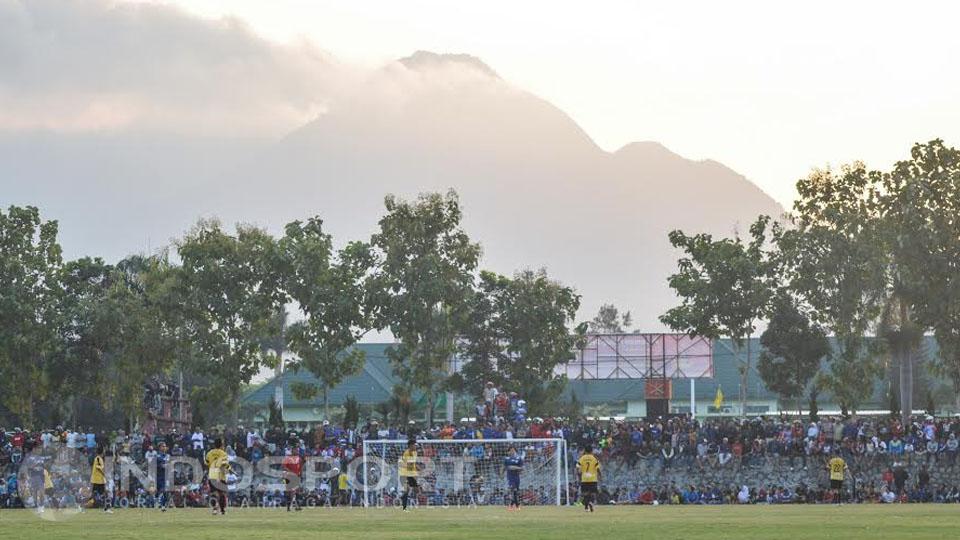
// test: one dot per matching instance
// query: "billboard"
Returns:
(641, 356)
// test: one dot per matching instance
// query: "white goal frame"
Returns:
(562, 474)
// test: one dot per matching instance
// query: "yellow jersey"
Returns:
(342, 482)
(408, 463)
(589, 468)
(96, 475)
(47, 481)
(837, 467)
(217, 464)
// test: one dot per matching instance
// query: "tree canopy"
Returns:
(224, 304)
(865, 253)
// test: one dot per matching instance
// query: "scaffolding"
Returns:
(641, 356)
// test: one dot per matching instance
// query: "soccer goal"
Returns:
(465, 472)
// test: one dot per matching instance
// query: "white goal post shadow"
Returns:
(383, 455)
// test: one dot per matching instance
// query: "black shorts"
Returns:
(836, 484)
(412, 481)
(588, 487)
(99, 489)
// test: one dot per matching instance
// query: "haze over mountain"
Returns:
(537, 191)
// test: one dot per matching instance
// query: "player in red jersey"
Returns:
(293, 469)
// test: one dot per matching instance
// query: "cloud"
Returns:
(69, 66)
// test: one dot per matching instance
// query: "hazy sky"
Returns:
(769, 90)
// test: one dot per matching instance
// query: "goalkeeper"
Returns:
(513, 465)
(408, 470)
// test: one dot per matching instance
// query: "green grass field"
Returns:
(608, 523)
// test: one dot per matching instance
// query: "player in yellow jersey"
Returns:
(98, 479)
(838, 469)
(588, 467)
(343, 489)
(218, 466)
(408, 470)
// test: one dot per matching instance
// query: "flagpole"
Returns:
(693, 398)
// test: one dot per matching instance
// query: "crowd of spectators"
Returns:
(680, 441)
(866, 443)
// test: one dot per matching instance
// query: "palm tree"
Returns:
(401, 403)
(902, 336)
(383, 409)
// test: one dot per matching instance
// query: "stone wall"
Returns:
(776, 471)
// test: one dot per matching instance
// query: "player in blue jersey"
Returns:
(36, 480)
(513, 465)
(161, 459)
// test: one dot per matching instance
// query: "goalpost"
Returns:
(454, 472)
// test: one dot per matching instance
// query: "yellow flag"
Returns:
(718, 401)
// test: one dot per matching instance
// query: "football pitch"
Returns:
(607, 523)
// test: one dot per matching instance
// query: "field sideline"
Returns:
(608, 523)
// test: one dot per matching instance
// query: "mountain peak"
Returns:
(645, 149)
(425, 60)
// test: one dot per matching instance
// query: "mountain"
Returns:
(537, 191)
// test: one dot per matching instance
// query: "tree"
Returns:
(724, 287)
(229, 288)
(274, 342)
(115, 335)
(401, 403)
(947, 361)
(333, 297)
(792, 350)
(610, 321)
(88, 330)
(813, 407)
(902, 336)
(425, 279)
(918, 204)
(274, 414)
(930, 407)
(521, 335)
(574, 408)
(879, 251)
(893, 396)
(351, 411)
(834, 263)
(273, 346)
(30, 292)
(383, 409)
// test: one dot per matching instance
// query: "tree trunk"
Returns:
(905, 357)
(744, 377)
(905, 352)
(430, 400)
(800, 391)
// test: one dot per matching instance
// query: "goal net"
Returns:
(452, 472)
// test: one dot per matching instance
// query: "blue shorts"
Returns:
(36, 484)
